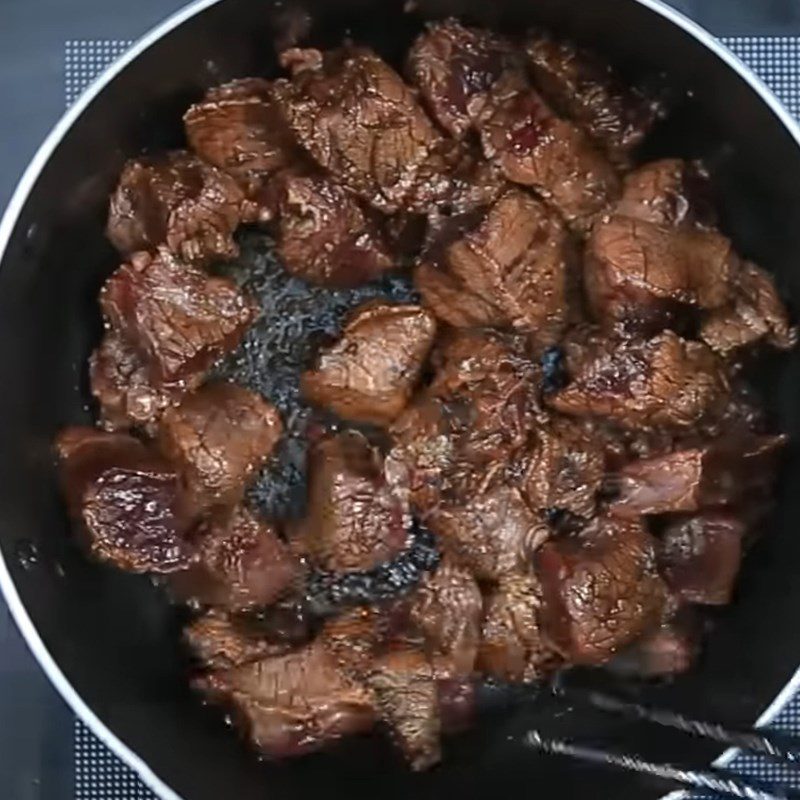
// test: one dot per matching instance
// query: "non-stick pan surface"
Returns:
(110, 641)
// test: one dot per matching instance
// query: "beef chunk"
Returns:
(756, 313)
(640, 276)
(671, 193)
(354, 521)
(178, 319)
(121, 385)
(218, 437)
(292, 704)
(517, 264)
(661, 381)
(242, 563)
(128, 500)
(237, 128)
(354, 637)
(359, 121)
(536, 148)
(565, 468)
(454, 66)
(587, 90)
(447, 611)
(511, 647)
(600, 590)
(220, 641)
(178, 201)
(700, 557)
(324, 236)
(492, 531)
(719, 473)
(404, 685)
(371, 372)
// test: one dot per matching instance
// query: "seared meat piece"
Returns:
(371, 372)
(512, 648)
(718, 473)
(403, 683)
(447, 610)
(454, 66)
(700, 557)
(661, 381)
(354, 637)
(490, 530)
(565, 468)
(600, 590)
(241, 563)
(354, 521)
(535, 148)
(670, 192)
(292, 704)
(128, 500)
(220, 641)
(179, 201)
(517, 263)
(640, 276)
(126, 395)
(359, 121)
(178, 319)
(324, 236)
(219, 436)
(237, 128)
(587, 90)
(756, 313)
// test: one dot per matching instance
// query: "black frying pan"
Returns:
(109, 641)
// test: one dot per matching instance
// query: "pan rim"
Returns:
(9, 221)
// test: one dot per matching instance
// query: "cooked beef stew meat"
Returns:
(589, 91)
(554, 454)
(178, 319)
(370, 374)
(218, 437)
(177, 201)
(324, 236)
(127, 499)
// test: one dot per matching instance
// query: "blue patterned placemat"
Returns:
(99, 774)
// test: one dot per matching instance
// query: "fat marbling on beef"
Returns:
(177, 201)
(370, 373)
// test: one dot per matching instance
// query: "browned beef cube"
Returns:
(664, 381)
(756, 313)
(178, 201)
(354, 637)
(237, 128)
(492, 531)
(128, 500)
(670, 192)
(600, 591)
(122, 386)
(447, 610)
(404, 685)
(359, 121)
(178, 319)
(355, 521)
(718, 473)
(371, 372)
(292, 704)
(241, 563)
(536, 148)
(218, 437)
(565, 468)
(639, 276)
(587, 90)
(512, 647)
(454, 66)
(700, 557)
(324, 236)
(517, 262)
